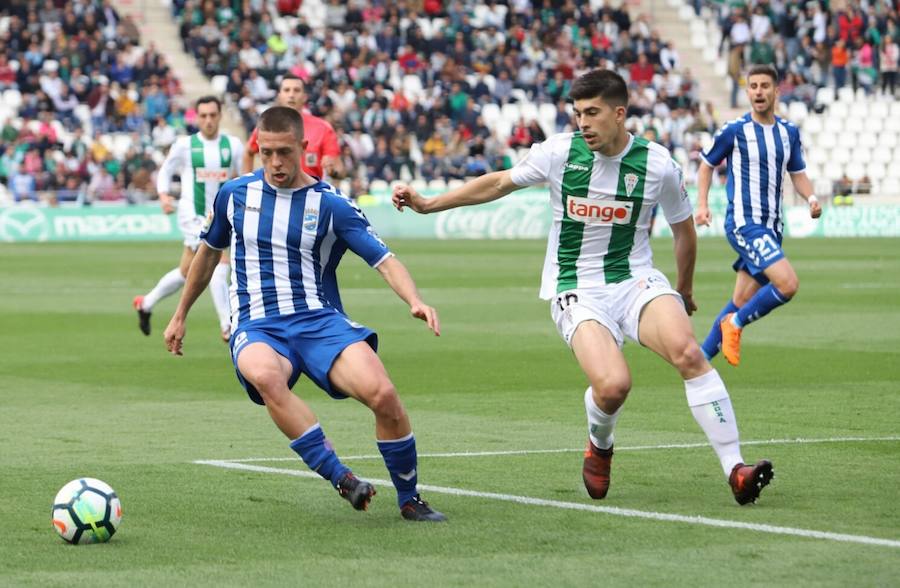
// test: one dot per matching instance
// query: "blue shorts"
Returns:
(310, 340)
(757, 246)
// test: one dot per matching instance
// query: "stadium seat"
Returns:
(827, 140)
(846, 94)
(879, 109)
(817, 156)
(437, 184)
(892, 123)
(873, 124)
(895, 109)
(840, 155)
(825, 95)
(454, 183)
(859, 154)
(378, 186)
(529, 111)
(867, 141)
(12, 98)
(510, 111)
(812, 124)
(839, 109)
(848, 139)
(797, 112)
(419, 184)
(833, 124)
(876, 171)
(887, 140)
(890, 186)
(219, 84)
(855, 171)
(859, 110)
(833, 171)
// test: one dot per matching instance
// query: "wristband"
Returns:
(812, 199)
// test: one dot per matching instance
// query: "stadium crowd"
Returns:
(815, 44)
(418, 89)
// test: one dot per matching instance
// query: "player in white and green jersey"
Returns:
(599, 275)
(205, 161)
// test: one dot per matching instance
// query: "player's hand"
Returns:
(167, 203)
(689, 305)
(815, 209)
(428, 314)
(174, 335)
(406, 196)
(703, 216)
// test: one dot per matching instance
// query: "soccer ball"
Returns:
(86, 510)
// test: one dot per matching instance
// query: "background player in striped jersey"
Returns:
(599, 275)
(759, 147)
(322, 154)
(288, 232)
(205, 161)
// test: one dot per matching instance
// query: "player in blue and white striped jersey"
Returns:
(759, 148)
(287, 232)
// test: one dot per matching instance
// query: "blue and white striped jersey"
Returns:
(286, 245)
(758, 156)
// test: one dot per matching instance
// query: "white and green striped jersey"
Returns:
(204, 165)
(602, 207)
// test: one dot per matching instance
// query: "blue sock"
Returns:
(766, 299)
(713, 343)
(317, 453)
(400, 459)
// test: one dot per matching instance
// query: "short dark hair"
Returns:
(765, 69)
(207, 100)
(601, 83)
(290, 76)
(281, 119)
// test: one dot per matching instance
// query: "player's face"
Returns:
(762, 92)
(208, 117)
(600, 123)
(280, 154)
(292, 93)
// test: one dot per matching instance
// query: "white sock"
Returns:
(711, 407)
(167, 285)
(218, 289)
(600, 424)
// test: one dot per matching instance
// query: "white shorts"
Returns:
(190, 226)
(615, 306)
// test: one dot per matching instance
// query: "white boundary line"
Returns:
(241, 464)
(580, 449)
(623, 512)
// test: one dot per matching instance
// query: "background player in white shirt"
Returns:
(598, 272)
(205, 161)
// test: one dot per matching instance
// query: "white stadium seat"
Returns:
(797, 112)
(847, 139)
(867, 141)
(834, 124)
(812, 124)
(873, 124)
(855, 171)
(876, 171)
(825, 95)
(861, 155)
(827, 140)
(882, 154)
(437, 184)
(888, 139)
(879, 109)
(839, 109)
(890, 187)
(834, 171)
(846, 94)
(840, 155)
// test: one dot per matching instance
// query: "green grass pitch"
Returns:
(85, 394)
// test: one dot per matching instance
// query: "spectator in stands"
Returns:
(889, 56)
(23, 186)
(840, 57)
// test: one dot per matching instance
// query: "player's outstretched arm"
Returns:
(201, 271)
(704, 180)
(478, 191)
(398, 278)
(685, 258)
(804, 187)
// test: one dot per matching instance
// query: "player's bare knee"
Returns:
(790, 287)
(611, 390)
(383, 400)
(688, 358)
(271, 386)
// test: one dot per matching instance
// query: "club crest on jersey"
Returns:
(631, 182)
(310, 219)
(598, 212)
(225, 153)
